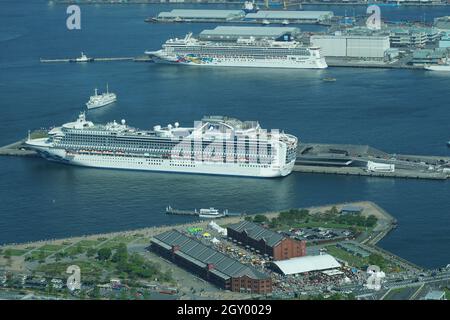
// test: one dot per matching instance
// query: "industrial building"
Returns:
(232, 33)
(380, 167)
(353, 46)
(413, 37)
(444, 42)
(351, 209)
(210, 264)
(429, 56)
(401, 36)
(265, 241)
(442, 23)
(201, 15)
(305, 264)
(264, 16)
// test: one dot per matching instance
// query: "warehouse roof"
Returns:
(306, 264)
(349, 36)
(234, 32)
(299, 15)
(195, 13)
(257, 232)
(202, 255)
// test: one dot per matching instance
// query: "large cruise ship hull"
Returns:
(163, 165)
(248, 63)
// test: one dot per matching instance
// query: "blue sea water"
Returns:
(401, 111)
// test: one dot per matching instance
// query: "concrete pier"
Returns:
(337, 159)
(16, 149)
(352, 171)
(352, 160)
(111, 59)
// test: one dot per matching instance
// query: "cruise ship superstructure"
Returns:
(244, 52)
(215, 145)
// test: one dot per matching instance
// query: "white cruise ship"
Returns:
(215, 145)
(244, 52)
(101, 100)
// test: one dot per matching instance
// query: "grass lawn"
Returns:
(88, 268)
(360, 262)
(114, 242)
(88, 243)
(75, 250)
(39, 255)
(51, 247)
(352, 260)
(321, 224)
(14, 252)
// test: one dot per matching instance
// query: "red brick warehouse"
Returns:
(266, 241)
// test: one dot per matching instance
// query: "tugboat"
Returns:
(82, 58)
(100, 100)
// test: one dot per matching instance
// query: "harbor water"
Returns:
(398, 111)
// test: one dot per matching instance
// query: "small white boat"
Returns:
(100, 100)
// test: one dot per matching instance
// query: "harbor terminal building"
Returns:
(286, 17)
(265, 241)
(210, 264)
(201, 15)
(233, 33)
(262, 16)
(352, 46)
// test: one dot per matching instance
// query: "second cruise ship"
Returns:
(244, 52)
(215, 145)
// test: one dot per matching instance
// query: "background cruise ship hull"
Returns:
(165, 165)
(305, 64)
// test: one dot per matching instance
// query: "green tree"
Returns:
(377, 259)
(91, 252)
(371, 221)
(259, 218)
(104, 254)
(121, 254)
(96, 293)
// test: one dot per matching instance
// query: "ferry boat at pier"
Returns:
(215, 145)
(244, 52)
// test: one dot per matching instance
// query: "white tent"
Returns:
(218, 228)
(306, 264)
